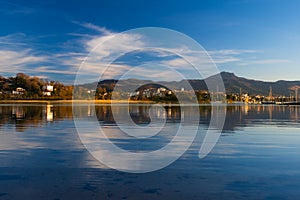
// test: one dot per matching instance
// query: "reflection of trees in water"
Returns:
(242, 116)
(61, 112)
(23, 116)
(138, 113)
(104, 114)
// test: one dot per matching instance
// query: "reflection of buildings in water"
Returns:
(270, 109)
(235, 114)
(18, 112)
(139, 114)
(160, 113)
(169, 112)
(135, 110)
(258, 109)
(263, 113)
(294, 112)
(89, 111)
(49, 113)
(246, 109)
(204, 114)
(181, 114)
(22, 115)
(175, 113)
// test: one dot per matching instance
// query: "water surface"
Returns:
(256, 157)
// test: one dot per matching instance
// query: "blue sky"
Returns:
(252, 38)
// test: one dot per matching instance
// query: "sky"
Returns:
(257, 39)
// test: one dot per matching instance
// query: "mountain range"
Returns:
(233, 85)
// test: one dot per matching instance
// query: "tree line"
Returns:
(34, 88)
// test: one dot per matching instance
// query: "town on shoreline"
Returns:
(24, 88)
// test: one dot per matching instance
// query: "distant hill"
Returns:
(232, 83)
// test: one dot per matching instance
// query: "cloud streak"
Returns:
(94, 27)
(107, 47)
(271, 61)
(223, 56)
(9, 8)
(14, 61)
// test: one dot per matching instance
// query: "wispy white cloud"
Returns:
(230, 55)
(145, 72)
(82, 35)
(107, 48)
(71, 59)
(231, 51)
(9, 8)
(16, 55)
(271, 61)
(224, 59)
(103, 49)
(15, 39)
(14, 61)
(244, 57)
(94, 27)
(110, 45)
(52, 69)
(42, 77)
(176, 62)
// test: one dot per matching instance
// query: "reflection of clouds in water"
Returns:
(16, 119)
(261, 139)
(149, 160)
(242, 162)
(111, 145)
(145, 128)
(34, 141)
(31, 134)
(11, 140)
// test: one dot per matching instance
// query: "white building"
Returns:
(47, 90)
(19, 90)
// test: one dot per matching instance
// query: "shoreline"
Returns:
(107, 102)
(74, 101)
(99, 102)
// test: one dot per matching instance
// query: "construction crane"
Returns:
(295, 88)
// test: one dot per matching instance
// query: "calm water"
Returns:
(256, 157)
